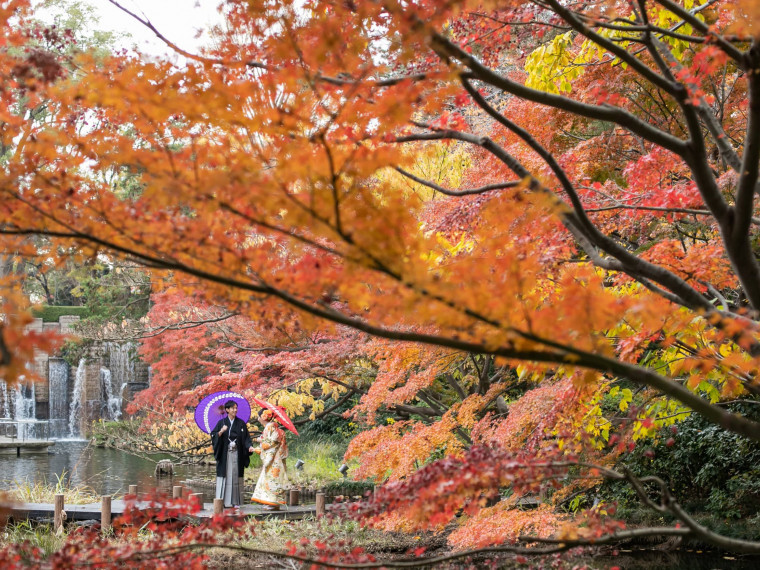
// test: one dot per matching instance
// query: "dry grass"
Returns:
(45, 491)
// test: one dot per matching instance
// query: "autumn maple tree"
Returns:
(590, 230)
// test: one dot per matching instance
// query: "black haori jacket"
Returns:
(237, 433)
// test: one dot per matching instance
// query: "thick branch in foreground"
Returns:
(448, 50)
(546, 351)
(558, 546)
(575, 219)
(689, 16)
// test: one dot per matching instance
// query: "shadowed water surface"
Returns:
(106, 471)
(682, 559)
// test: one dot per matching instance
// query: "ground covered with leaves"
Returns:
(166, 537)
(398, 548)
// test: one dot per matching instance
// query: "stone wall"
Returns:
(41, 367)
(42, 389)
(93, 399)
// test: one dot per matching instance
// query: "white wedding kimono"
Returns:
(273, 482)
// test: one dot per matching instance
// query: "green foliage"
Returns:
(98, 291)
(741, 495)
(708, 469)
(349, 487)
(47, 282)
(108, 434)
(127, 184)
(73, 351)
(321, 456)
(35, 535)
(113, 293)
(329, 426)
(51, 314)
(83, 21)
(624, 397)
(348, 430)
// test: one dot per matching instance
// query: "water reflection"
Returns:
(106, 471)
(682, 559)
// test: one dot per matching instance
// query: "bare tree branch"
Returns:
(447, 192)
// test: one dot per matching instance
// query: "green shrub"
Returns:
(348, 487)
(73, 350)
(708, 469)
(50, 314)
(330, 426)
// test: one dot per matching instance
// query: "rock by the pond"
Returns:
(164, 467)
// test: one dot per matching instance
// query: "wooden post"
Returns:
(58, 513)
(198, 497)
(177, 492)
(133, 490)
(294, 497)
(320, 504)
(218, 506)
(105, 513)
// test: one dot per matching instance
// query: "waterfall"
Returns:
(25, 405)
(121, 362)
(25, 412)
(76, 400)
(5, 403)
(59, 392)
(19, 409)
(112, 395)
(63, 404)
(123, 369)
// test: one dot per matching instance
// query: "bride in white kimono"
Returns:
(273, 481)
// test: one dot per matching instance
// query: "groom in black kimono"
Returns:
(232, 449)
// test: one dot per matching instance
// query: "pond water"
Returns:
(679, 559)
(105, 471)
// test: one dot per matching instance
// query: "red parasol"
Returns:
(279, 414)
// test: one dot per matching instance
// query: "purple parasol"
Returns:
(211, 409)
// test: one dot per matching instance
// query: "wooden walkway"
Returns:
(19, 446)
(91, 511)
